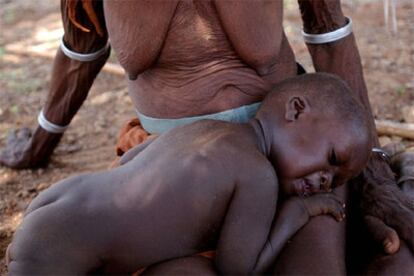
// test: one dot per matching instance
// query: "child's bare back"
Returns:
(154, 209)
(208, 185)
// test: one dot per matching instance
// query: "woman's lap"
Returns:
(319, 248)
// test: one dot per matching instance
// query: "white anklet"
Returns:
(383, 154)
(83, 57)
(48, 126)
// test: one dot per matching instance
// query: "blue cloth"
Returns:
(240, 114)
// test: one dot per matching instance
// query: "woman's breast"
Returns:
(197, 71)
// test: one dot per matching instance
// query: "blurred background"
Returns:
(30, 32)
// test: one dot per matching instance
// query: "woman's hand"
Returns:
(25, 149)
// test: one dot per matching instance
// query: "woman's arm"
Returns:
(70, 84)
(379, 193)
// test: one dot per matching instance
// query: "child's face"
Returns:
(319, 156)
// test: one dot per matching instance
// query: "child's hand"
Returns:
(323, 204)
(298, 210)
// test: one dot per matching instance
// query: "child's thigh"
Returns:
(317, 249)
(193, 265)
(41, 245)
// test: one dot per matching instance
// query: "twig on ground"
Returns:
(387, 127)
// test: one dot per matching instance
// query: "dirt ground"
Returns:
(30, 33)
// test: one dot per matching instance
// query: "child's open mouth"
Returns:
(303, 187)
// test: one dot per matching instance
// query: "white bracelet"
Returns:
(83, 57)
(329, 37)
(48, 126)
(383, 154)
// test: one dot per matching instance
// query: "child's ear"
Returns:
(295, 106)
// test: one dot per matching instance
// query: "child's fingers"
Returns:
(335, 207)
(383, 234)
(323, 204)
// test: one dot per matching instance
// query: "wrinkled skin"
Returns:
(402, 163)
(234, 27)
(390, 197)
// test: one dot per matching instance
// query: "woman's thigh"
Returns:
(318, 248)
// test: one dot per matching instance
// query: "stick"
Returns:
(387, 127)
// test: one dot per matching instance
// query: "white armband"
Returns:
(383, 154)
(48, 126)
(329, 37)
(83, 57)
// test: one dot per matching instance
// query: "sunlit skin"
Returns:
(212, 184)
(195, 57)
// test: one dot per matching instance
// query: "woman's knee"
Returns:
(318, 248)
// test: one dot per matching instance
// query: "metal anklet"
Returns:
(330, 36)
(48, 126)
(382, 153)
(83, 57)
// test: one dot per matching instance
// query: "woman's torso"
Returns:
(196, 70)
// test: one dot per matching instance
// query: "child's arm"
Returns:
(249, 217)
(250, 240)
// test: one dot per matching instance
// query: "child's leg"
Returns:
(50, 238)
(130, 154)
(194, 265)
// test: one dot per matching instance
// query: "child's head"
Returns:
(317, 136)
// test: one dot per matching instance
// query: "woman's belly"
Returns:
(210, 88)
